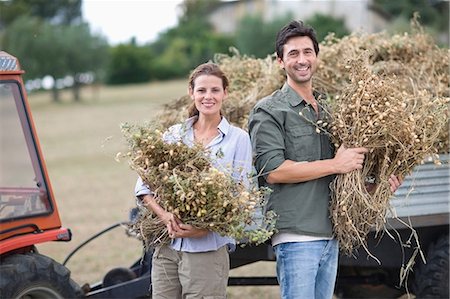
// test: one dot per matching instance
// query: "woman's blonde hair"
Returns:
(211, 69)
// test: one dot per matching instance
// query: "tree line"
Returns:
(51, 39)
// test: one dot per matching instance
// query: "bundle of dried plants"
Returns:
(399, 124)
(186, 184)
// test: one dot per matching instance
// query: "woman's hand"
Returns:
(169, 219)
(172, 223)
(189, 231)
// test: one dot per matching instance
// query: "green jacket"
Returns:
(279, 133)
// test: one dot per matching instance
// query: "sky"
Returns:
(120, 20)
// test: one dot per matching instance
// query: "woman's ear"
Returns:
(191, 92)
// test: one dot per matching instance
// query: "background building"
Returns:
(358, 15)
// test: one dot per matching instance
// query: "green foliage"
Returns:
(191, 42)
(81, 51)
(56, 50)
(196, 9)
(324, 24)
(130, 64)
(32, 33)
(174, 61)
(10, 10)
(58, 12)
(59, 50)
(257, 38)
(432, 13)
(181, 48)
(175, 53)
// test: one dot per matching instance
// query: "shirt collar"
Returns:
(294, 98)
(224, 125)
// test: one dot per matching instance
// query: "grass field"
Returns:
(79, 141)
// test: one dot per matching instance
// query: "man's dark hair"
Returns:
(293, 29)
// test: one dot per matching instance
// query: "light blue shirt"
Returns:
(231, 151)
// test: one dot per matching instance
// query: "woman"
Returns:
(196, 263)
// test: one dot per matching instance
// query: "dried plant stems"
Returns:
(400, 127)
(413, 59)
(185, 183)
(354, 213)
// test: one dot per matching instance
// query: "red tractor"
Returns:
(28, 211)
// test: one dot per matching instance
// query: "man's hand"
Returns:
(349, 159)
(395, 182)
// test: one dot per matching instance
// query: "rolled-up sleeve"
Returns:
(141, 188)
(266, 135)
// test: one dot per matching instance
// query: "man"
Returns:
(298, 164)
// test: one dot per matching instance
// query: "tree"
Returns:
(433, 13)
(191, 42)
(252, 26)
(63, 12)
(176, 51)
(130, 64)
(196, 9)
(57, 51)
(82, 53)
(174, 61)
(325, 24)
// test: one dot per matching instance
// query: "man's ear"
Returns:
(280, 62)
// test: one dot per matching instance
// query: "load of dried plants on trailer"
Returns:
(185, 183)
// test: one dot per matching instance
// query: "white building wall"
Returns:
(356, 13)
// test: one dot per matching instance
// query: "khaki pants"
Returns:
(184, 275)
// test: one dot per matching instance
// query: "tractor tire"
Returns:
(431, 279)
(35, 276)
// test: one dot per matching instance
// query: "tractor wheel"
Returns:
(431, 279)
(34, 276)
